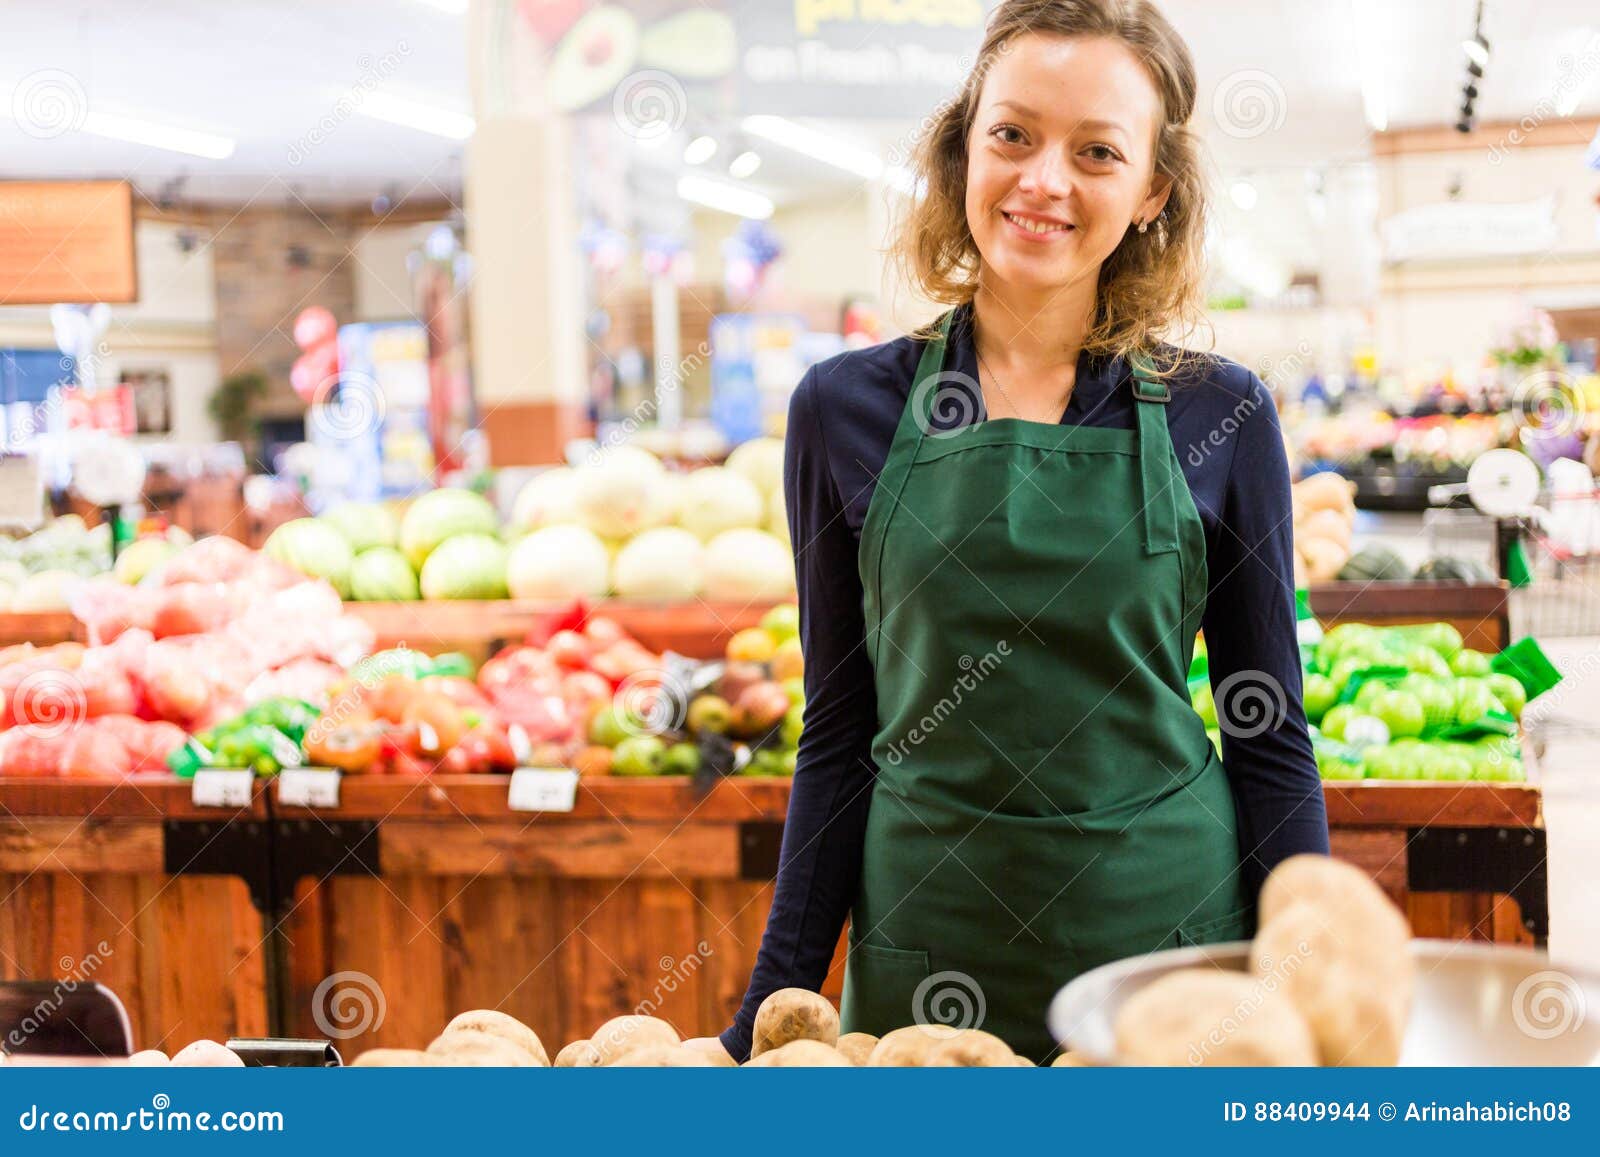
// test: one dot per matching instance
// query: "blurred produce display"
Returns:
(621, 523)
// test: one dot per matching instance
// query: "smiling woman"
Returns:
(1008, 483)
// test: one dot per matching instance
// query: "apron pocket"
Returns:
(1236, 925)
(880, 986)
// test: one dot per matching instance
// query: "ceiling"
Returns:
(269, 73)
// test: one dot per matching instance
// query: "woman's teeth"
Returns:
(1034, 226)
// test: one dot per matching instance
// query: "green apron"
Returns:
(1047, 800)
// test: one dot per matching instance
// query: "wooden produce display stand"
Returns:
(1480, 611)
(646, 896)
(131, 885)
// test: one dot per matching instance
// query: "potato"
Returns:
(663, 1057)
(800, 1054)
(472, 1049)
(1024, 1063)
(621, 1034)
(580, 1054)
(713, 1049)
(792, 1014)
(1352, 987)
(856, 1047)
(1204, 1016)
(1069, 1060)
(207, 1054)
(148, 1058)
(394, 1059)
(971, 1048)
(1336, 889)
(906, 1047)
(508, 1028)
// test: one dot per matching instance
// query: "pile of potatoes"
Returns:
(794, 1028)
(1329, 983)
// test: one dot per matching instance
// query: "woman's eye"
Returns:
(1103, 153)
(1007, 134)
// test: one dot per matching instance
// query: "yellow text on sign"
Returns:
(810, 15)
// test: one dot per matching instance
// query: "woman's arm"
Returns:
(819, 868)
(1254, 653)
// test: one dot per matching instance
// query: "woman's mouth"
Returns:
(1036, 227)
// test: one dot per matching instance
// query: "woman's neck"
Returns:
(1031, 328)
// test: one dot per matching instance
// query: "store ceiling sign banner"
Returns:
(66, 241)
(1460, 229)
(855, 58)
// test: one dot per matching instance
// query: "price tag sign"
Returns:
(308, 787)
(543, 789)
(223, 787)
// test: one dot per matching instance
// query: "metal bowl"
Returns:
(1474, 1004)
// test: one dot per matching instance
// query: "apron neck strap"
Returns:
(1158, 472)
(930, 377)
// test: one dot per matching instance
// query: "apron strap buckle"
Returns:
(1147, 387)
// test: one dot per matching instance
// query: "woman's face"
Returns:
(1060, 158)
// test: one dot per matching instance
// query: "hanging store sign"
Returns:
(1458, 229)
(653, 62)
(66, 241)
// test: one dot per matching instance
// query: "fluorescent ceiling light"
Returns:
(1477, 50)
(700, 150)
(121, 128)
(1370, 29)
(453, 7)
(818, 146)
(744, 165)
(427, 118)
(724, 198)
(1244, 195)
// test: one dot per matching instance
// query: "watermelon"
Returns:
(438, 515)
(1374, 564)
(466, 566)
(313, 548)
(382, 575)
(1449, 569)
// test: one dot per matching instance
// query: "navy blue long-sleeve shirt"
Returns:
(842, 419)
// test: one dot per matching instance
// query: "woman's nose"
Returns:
(1046, 175)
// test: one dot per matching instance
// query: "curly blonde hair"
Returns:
(1152, 283)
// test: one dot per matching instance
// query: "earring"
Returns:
(1144, 226)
